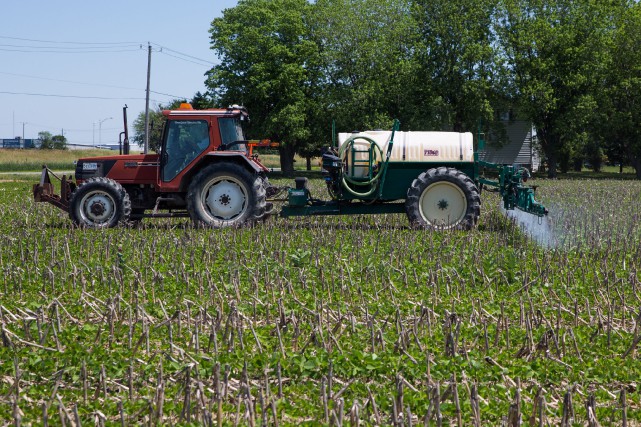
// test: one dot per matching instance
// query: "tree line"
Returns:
(52, 142)
(571, 67)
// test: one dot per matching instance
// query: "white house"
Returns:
(521, 147)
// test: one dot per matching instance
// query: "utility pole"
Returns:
(146, 148)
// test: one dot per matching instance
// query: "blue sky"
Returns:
(71, 65)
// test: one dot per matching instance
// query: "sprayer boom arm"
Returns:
(510, 186)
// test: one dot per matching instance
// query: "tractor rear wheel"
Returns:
(226, 195)
(99, 203)
(443, 198)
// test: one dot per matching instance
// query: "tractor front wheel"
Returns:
(99, 203)
(226, 195)
(443, 198)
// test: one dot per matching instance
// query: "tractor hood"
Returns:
(119, 167)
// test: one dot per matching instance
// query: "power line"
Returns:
(102, 45)
(86, 48)
(67, 51)
(183, 59)
(53, 46)
(166, 94)
(68, 81)
(181, 54)
(71, 48)
(73, 96)
(88, 84)
(68, 42)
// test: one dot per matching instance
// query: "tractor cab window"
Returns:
(231, 134)
(185, 140)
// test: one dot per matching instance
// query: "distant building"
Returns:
(109, 146)
(520, 148)
(20, 143)
(79, 147)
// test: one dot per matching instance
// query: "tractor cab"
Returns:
(190, 135)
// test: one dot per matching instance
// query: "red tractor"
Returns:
(205, 170)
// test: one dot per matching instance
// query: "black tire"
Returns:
(99, 203)
(226, 195)
(443, 198)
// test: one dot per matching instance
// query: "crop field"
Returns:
(12, 160)
(332, 321)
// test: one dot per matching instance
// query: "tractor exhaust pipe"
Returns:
(125, 144)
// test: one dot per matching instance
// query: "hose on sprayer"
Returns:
(372, 183)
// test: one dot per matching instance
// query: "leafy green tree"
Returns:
(366, 61)
(46, 141)
(269, 64)
(556, 52)
(52, 142)
(459, 65)
(594, 154)
(621, 90)
(202, 101)
(59, 142)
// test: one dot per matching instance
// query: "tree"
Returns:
(556, 55)
(368, 73)
(459, 65)
(59, 142)
(52, 142)
(269, 64)
(202, 101)
(156, 123)
(620, 105)
(46, 142)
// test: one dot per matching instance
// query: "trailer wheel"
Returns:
(99, 203)
(443, 198)
(225, 195)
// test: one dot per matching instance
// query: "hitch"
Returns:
(44, 191)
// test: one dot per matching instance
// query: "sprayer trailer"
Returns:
(433, 177)
(206, 170)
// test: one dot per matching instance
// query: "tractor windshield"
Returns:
(231, 134)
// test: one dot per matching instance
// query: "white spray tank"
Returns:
(425, 147)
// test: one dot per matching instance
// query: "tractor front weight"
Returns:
(44, 191)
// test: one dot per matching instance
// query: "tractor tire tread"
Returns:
(254, 186)
(123, 203)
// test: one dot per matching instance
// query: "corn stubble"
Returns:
(339, 321)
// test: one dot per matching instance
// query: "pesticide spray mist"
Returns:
(539, 229)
